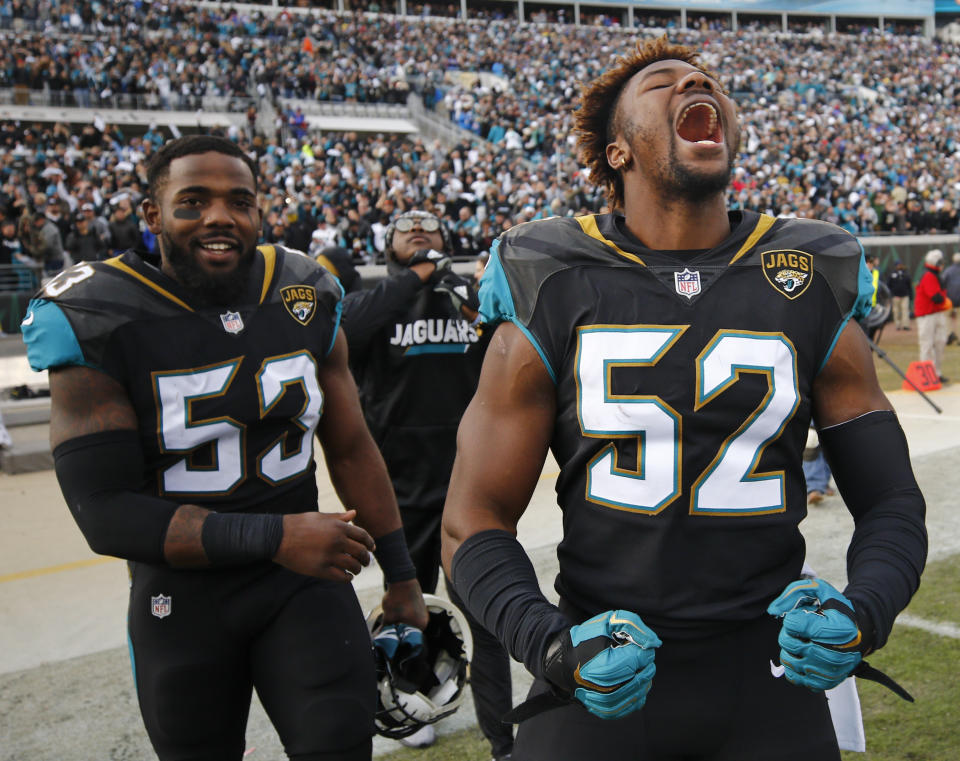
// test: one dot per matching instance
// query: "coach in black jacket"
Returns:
(416, 354)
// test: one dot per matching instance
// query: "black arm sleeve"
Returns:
(368, 310)
(871, 465)
(100, 476)
(496, 580)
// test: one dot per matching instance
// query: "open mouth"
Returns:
(700, 124)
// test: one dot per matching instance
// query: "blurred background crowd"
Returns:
(870, 145)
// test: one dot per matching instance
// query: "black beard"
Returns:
(690, 185)
(208, 290)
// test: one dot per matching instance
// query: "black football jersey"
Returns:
(227, 400)
(683, 386)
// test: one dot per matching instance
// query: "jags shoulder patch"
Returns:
(300, 301)
(787, 270)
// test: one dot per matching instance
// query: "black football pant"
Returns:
(490, 681)
(201, 641)
(712, 699)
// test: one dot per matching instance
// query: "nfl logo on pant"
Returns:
(160, 605)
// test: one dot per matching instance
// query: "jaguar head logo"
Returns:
(790, 280)
(302, 310)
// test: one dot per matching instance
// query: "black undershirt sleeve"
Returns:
(871, 465)
(100, 475)
(496, 580)
(368, 310)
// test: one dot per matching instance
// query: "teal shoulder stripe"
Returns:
(49, 337)
(861, 306)
(337, 315)
(133, 657)
(864, 302)
(833, 343)
(536, 345)
(496, 302)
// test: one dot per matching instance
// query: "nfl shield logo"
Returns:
(231, 322)
(160, 605)
(687, 283)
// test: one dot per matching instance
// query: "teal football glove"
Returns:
(819, 638)
(606, 663)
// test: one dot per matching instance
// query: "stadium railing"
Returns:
(20, 277)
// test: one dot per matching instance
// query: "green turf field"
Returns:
(901, 349)
(927, 730)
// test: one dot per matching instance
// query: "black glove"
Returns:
(440, 260)
(459, 290)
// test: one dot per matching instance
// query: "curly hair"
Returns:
(595, 122)
(158, 167)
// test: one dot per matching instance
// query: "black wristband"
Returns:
(555, 660)
(393, 557)
(234, 538)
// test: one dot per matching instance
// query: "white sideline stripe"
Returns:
(934, 627)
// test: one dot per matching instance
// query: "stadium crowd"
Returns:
(835, 127)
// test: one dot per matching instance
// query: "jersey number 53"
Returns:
(176, 392)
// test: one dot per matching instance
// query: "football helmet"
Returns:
(421, 676)
(879, 313)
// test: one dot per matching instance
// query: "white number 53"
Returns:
(181, 431)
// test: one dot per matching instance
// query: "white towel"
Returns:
(5, 440)
(844, 704)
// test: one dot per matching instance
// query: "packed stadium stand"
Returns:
(356, 112)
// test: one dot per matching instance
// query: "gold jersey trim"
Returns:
(763, 224)
(589, 226)
(117, 263)
(269, 265)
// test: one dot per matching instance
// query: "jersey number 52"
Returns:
(730, 484)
